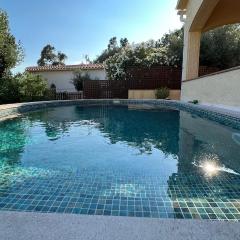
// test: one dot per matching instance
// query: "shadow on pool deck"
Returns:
(28, 226)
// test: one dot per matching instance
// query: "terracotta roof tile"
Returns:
(64, 67)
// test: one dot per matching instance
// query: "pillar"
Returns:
(191, 55)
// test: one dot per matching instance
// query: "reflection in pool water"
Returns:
(119, 160)
(236, 138)
(211, 168)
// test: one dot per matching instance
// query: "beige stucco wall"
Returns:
(62, 79)
(197, 14)
(202, 15)
(175, 94)
(150, 94)
(219, 89)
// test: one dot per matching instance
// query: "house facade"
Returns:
(61, 76)
(199, 16)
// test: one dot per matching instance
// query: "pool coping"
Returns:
(224, 116)
(50, 226)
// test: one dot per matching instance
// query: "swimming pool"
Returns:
(132, 160)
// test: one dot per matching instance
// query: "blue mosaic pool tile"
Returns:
(185, 196)
(181, 199)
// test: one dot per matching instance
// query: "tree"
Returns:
(124, 42)
(60, 59)
(11, 52)
(31, 87)
(87, 59)
(173, 43)
(112, 44)
(221, 47)
(49, 57)
(112, 49)
(144, 55)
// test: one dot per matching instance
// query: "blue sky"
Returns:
(79, 27)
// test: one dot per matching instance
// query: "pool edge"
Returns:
(23, 226)
(220, 115)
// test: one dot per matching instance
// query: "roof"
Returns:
(182, 4)
(48, 68)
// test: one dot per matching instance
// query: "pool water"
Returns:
(131, 160)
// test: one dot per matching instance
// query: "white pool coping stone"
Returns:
(45, 226)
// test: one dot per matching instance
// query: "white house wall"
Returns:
(62, 79)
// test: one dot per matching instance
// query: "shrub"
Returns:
(9, 89)
(23, 87)
(53, 87)
(143, 55)
(162, 93)
(78, 80)
(194, 102)
(32, 87)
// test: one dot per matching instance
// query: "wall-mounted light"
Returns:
(182, 14)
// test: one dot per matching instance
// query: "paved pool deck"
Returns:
(38, 226)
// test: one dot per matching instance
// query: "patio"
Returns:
(24, 226)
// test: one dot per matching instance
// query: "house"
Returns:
(62, 75)
(221, 88)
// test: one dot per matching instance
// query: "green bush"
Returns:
(162, 93)
(78, 80)
(194, 102)
(9, 89)
(23, 88)
(32, 87)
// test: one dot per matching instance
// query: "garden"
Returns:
(220, 49)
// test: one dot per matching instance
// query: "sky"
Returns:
(80, 27)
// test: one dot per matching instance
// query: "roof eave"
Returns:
(182, 4)
(65, 68)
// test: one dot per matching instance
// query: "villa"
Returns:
(61, 76)
(132, 168)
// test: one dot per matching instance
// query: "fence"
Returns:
(155, 77)
(100, 89)
(139, 78)
(66, 95)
